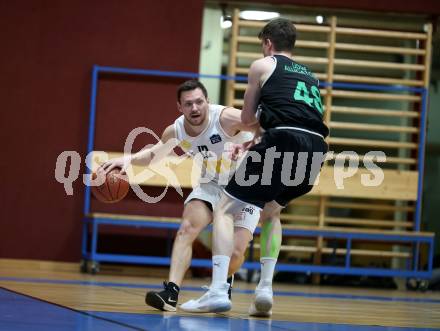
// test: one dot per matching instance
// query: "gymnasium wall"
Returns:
(47, 52)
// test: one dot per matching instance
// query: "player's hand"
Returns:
(237, 150)
(248, 144)
(121, 162)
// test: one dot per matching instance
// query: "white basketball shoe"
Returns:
(214, 301)
(263, 301)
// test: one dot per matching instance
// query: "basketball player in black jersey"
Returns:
(283, 97)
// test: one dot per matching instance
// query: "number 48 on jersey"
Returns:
(312, 98)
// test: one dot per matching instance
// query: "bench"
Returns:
(318, 228)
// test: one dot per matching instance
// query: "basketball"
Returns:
(114, 188)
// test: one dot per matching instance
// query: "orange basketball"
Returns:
(114, 188)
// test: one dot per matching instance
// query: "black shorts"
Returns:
(297, 160)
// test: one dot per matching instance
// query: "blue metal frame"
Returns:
(91, 137)
(373, 87)
(161, 73)
(415, 271)
(93, 255)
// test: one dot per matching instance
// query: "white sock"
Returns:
(267, 270)
(220, 266)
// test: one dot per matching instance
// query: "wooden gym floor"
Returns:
(56, 296)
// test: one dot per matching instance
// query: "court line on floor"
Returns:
(86, 313)
(199, 289)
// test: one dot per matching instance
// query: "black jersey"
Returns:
(290, 97)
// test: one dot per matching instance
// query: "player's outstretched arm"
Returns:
(147, 155)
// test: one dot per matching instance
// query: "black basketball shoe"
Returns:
(165, 300)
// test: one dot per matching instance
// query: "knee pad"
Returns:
(246, 216)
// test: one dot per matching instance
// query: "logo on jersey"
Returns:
(215, 139)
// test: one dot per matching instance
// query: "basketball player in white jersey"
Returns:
(203, 129)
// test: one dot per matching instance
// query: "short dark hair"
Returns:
(281, 32)
(190, 85)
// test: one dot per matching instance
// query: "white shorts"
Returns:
(210, 192)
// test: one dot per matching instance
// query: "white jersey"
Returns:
(210, 145)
